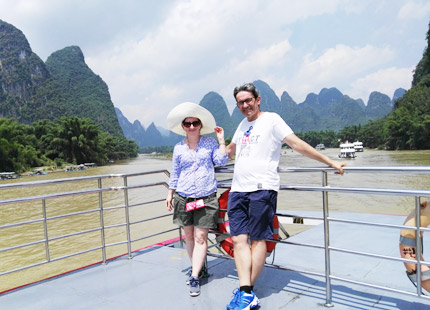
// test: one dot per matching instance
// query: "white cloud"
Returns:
(413, 10)
(258, 61)
(385, 81)
(335, 67)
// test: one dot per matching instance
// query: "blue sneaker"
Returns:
(247, 301)
(202, 274)
(194, 287)
(233, 302)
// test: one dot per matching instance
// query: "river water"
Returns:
(14, 236)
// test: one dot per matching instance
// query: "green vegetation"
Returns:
(328, 137)
(407, 127)
(65, 140)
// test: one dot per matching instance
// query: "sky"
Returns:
(154, 55)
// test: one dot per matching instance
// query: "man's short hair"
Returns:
(246, 87)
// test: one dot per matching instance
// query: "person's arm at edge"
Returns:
(305, 149)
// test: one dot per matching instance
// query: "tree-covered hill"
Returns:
(86, 94)
(53, 113)
(216, 104)
(31, 90)
(27, 91)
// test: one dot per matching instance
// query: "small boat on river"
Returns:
(358, 146)
(320, 147)
(37, 172)
(9, 175)
(347, 150)
(80, 167)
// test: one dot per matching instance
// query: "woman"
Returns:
(192, 185)
(408, 248)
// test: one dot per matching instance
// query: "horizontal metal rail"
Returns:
(390, 169)
(357, 190)
(80, 179)
(81, 192)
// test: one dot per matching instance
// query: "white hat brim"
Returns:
(190, 109)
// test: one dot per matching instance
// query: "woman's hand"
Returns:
(219, 131)
(169, 200)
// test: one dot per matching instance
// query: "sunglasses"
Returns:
(195, 124)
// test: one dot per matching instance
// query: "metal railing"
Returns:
(325, 189)
(100, 209)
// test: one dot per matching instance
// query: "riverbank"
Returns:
(167, 156)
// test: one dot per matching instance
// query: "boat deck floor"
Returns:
(155, 278)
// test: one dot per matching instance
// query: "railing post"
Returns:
(45, 229)
(127, 217)
(328, 294)
(102, 223)
(418, 243)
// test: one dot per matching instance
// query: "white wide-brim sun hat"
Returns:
(190, 109)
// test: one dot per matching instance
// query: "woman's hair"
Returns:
(246, 87)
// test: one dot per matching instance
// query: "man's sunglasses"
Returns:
(195, 123)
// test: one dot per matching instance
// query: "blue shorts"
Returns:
(252, 213)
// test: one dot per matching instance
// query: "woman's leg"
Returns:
(189, 241)
(200, 249)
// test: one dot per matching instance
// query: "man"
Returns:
(252, 200)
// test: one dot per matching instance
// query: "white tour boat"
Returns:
(347, 150)
(358, 146)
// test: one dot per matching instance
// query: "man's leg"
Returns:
(242, 259)
(258, 253)
(262, 210)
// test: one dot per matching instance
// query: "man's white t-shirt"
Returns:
(258, 149)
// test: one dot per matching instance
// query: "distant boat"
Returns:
(320, 147)
(38, 172)
(358, 146)
(9, 175)
(75, 168)
(347, 150)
